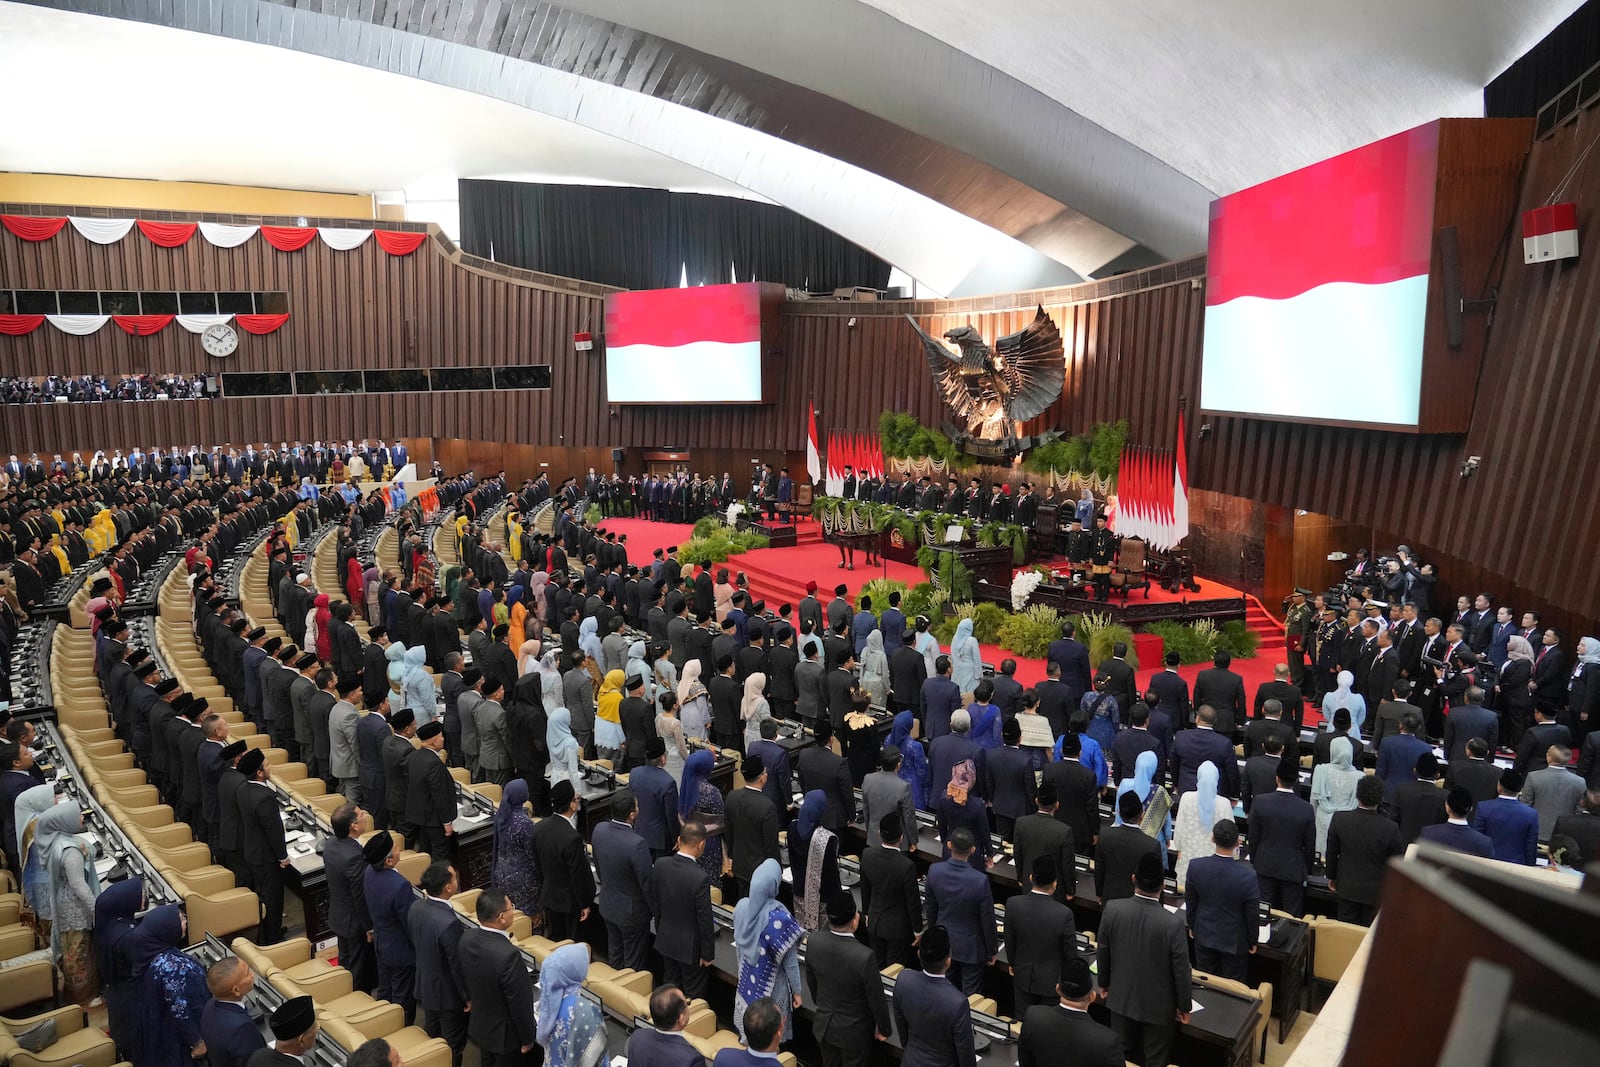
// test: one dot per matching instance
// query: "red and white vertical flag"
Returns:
(1180, 488)
(813, 457)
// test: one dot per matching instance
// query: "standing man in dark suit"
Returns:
(1418, 802)
(1223, 690)
(1322, 747)
(1455, 833)
(1072, 657)
(1260, 775)
(262, 842)
(1134, 741)
(1221, 901)
(851, 1011)
(1119, 850)
(661, 1044)
(503, 1022)
(1550, 678)
(294, 1028)
(1360, 845)
(1121, 682)
(389, 900)
(1283, 841)
(1042, 835)
(939, 700)
(622, 859)
(930, 1011)
(562, 866)
(1285, 692)
(1008, 779)
(1049, 1029)
(819, 767)
(1143, 966)
(1398, 755)
(431, 793)
(1469, 720)
(959, 898)
(1544, 732)
(782, 661)
(1079, 794)
(435, 935)
(889, 896)
(908, 670)
(229, 1034)
(750, 829)
(780, 779)
(345, 869)
(396, 757)
(1269, 720)
(657, 796)
(1474, 772)
(1041, 936)
(1200, 745)
(1172, 692)
(679, 895)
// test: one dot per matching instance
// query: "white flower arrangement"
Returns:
(735, 509)
(1023, 583)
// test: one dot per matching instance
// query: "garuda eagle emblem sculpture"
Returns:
(996, 389)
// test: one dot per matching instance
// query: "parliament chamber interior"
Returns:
(835, 534)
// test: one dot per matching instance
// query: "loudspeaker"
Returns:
(618, 454)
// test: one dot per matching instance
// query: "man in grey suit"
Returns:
(843, 976)
(884, 791)
(1143, 967)
(1553, 790)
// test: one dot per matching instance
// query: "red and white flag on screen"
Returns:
(813, 458)
(1180, 488)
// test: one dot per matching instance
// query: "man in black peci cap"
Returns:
(1048, 1030)
(1143, 966)
(843, 977)
(389, 899)
(931, 1012)
(262, 841)
(294, 1025)
(431, 793)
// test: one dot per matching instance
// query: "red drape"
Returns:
(142, 325)
(398, 243)
(167, 234)
(17, 325)
(30, 228)
(288, 238)
(260, 323)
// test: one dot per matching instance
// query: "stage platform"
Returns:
(779, 576)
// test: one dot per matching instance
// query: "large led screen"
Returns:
(1317, 285)
(684, 346)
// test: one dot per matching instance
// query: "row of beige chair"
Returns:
(26, 976)
(211, 898)
(77, 1044)
(347, 1016)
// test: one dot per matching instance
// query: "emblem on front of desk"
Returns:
(896, 540)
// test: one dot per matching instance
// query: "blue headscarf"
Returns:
(558, 737)
(901, 733)
(963, 630)
(560, 977)
(696, 769)
(1142, 782)
(511, 802)
(812, 808)
(158, 932)
(113, 920)
(1205, 794)
(750, 914)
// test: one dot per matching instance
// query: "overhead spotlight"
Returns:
(851, 324)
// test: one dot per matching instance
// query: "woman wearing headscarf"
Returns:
(699, 799)
(517, 613)
(966, 661)
(694, 704)
(875, 670)
(636, 666)
(1333, 787)
(1198, 813)
(753, 708)
(114, 925)
(169, 993)
(1516, 699)
(536, 599)
(813, 861)
(1583, 691)
(1153, 797)
(1345, 697)
(589, 643)
(74, 884)
(571, 1029)
(766, 937)
(960, 806)
(913, 759)
(609, 739)
(670, 730)
(32, 803)
(512, 867)
(372, 584)
(564, 754)
(722, 594)
(317, 633)
(420, 694)
(395, 654)
(527, 657)
(550, 678)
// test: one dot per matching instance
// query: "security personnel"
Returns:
(1297, 622)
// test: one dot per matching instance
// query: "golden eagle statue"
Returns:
(996, 389)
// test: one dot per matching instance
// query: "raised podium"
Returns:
(985, 564)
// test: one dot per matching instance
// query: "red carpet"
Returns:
(779, 575)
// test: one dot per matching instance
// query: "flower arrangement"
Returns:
(1023, 583)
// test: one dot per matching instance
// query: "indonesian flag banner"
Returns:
(34, 229)
(1152, 498)
(836, 461)
(1180, 488)
(137, 325)
(813, 459)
